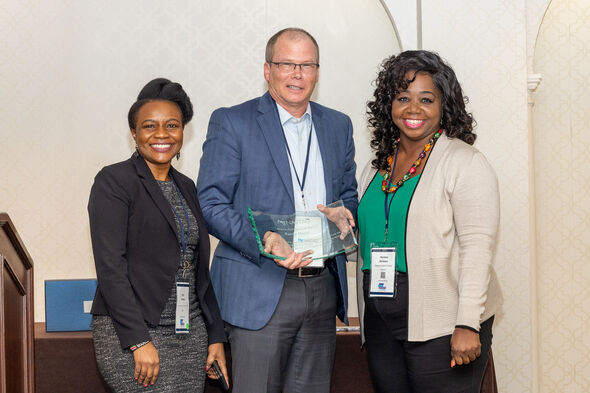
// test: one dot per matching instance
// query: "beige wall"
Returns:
(70, 71)
(562, 130)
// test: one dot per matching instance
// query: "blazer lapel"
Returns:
(323, 134)
(147, 178)
(271, 128)
(189, 192)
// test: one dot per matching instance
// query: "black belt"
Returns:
(306, 271)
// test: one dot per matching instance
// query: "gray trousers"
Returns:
(294, 352)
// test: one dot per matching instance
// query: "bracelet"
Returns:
(137, 346)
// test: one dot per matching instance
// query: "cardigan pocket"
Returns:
(440, 292)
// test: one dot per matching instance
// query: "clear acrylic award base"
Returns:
(326, 234)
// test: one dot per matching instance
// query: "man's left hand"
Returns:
(340, 216)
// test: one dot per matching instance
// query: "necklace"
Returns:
(386, 185)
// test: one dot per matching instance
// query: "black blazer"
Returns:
(136, 250)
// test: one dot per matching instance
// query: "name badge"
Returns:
(182, 307)
(383, 259)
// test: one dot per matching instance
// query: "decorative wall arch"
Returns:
(405, 18)
(536, 11)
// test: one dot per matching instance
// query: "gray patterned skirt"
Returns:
(182, 357)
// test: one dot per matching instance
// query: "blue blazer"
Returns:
(245, 164)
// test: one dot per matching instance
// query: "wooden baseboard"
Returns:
(64, 362)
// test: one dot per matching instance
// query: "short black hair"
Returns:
(455, 120)
(162, 89)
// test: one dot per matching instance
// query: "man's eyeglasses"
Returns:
(285, 66)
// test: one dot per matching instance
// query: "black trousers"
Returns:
(400, 366)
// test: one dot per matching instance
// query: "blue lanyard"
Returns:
(183, 235)
(388, 201)
(301, 183)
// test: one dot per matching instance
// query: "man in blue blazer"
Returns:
(278, 154)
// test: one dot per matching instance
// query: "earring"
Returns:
(177, 156)
(136, 154)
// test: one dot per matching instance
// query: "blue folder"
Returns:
(67, 304)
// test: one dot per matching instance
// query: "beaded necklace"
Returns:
(386, 185)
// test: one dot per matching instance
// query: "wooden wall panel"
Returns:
(16, 312)
(15, 335)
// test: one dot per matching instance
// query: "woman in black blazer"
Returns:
(150, 243)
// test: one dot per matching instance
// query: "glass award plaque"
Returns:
(325, 234)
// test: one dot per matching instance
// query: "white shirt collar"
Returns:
(285, 116)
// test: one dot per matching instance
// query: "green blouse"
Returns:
(371, 219)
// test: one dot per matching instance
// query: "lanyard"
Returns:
(183, 240)
(388, 201)
(301, 183)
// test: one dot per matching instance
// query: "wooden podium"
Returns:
(16, 312)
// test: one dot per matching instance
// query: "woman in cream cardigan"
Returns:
(428, 217)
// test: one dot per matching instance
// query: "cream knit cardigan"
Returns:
(450, 239)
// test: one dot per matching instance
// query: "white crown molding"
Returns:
(533, 81)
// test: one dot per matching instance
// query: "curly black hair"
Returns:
(455, 120)
(162, 89)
